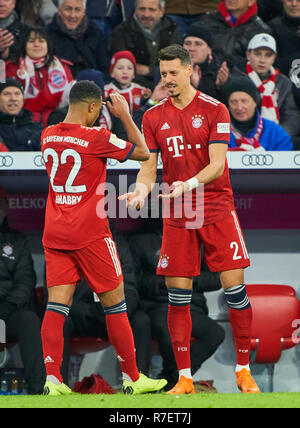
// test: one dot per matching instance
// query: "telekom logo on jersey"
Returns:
(176, 144)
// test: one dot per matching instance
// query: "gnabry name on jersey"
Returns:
(65, 139)
(67, 199)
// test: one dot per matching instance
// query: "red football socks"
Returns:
(180, 328)
(121, 337)
(53, 338)
(240, 321)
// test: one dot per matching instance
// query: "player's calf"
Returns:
(240, 316)
(53, 339)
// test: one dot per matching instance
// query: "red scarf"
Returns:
(242, 19)
(244, 143)
(267, 88)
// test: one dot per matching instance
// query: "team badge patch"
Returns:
(7, 250)
(117, 141)
(57, 79)
(163, 261)
(197, 121)
(223, 128)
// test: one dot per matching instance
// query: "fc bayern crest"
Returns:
(57, 79)
(7, 250)
(197, 121)
(163, 261)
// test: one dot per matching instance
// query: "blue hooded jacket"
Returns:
(273, 137)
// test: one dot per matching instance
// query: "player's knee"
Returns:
(231, 278)
(62, 294)
(112, 297)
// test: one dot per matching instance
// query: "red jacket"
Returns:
(44, 102)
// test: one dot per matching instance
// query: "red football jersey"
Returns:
(75, 159)
(133, 94)
(183, 138)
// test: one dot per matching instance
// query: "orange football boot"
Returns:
(183, 386)
(246, 383)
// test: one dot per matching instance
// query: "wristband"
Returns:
(192, 183)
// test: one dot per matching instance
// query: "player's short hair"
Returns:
(85, 91)
(174, 52)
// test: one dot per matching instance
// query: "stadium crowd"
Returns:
(245, 54)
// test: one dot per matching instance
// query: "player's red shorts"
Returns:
(98, 263)
(224, 248)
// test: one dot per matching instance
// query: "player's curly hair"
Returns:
(174, 52)
(85, 91)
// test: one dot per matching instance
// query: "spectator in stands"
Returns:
(207, 333)
(17, 131)
(277, 99)
(106, 119)
(286, 30)
(122, 72)
(269, 9)
(186, 12)
(78, 39)
(210, 72)
(158, 94)
(17, 293)
(250, 131)
(35, 12)
(106, 15)
(11, 29)
(233, 25)
(46, 78)
(144, 34)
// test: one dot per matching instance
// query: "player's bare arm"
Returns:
(215, 168)
(119, 108)
(145, 181)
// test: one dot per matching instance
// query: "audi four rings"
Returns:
(6, 161)
(297, 159)
(257, 160)
(38, 161)
(112, 162)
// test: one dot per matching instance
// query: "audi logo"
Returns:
(297, 160)
(257, 160)
(38, 161)
(6, 161)
(112, 162)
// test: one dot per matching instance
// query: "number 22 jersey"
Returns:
(75, 158)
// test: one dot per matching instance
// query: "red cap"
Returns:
(119, 55)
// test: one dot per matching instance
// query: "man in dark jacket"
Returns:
(107, 14)
(11, 29)
(233, 27)
(286, 30)
(144, 34)
(77, 39)
(17, 131)
(269, 9)
(17, 288)
(210, 72)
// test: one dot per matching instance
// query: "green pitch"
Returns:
(158, 402)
